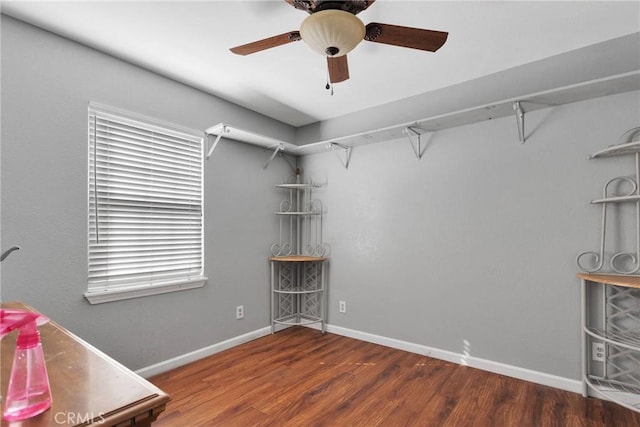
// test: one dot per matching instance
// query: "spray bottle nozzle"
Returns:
(29, 393)
(17, 319)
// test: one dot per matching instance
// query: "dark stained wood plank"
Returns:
(301, 377)
(476, 399)
(423, 382)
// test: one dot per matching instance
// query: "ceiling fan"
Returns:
(332, 29)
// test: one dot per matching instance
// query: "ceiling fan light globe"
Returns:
(327, 30)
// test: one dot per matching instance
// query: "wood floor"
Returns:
(300, 377)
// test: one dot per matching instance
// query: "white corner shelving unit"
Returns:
(611, 302)
(298, 283)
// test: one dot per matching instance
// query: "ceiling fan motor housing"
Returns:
(313, 6)
(332, 32)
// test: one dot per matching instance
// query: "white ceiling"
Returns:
(189, 41)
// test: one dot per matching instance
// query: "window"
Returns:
(145, 207)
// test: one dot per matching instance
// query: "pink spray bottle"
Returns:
(29, 393)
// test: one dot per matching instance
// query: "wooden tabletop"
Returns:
(612, 279)
(87, 386)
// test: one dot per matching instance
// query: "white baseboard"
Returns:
(184, 359)
(462, 359)
(459, 358)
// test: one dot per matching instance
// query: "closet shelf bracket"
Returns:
(347, 153)
(216, 141)
(519, 110)
(277, 148)
(517, 107)
(414, 131)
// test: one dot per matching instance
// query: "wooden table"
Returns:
(87, 386)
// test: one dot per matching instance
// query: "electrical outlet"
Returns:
(240, 312)
(343, 306)
(598, 352)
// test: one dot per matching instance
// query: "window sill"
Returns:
(120, 293)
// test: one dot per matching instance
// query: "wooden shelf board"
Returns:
(612, 279)
(297, 258)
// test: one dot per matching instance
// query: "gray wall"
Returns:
(47, 82)
(477, 241)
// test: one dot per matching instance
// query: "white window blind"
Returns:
(145, 207)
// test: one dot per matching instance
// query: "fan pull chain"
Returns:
(329, 86)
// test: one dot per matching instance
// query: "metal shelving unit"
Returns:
(611, 338)
(297, 291)
(298, 285)
(611, 302)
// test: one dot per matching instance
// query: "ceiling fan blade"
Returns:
(267, 43)
(415, 38)
(338, 68)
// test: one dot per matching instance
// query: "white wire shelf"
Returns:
(630, 340)
(618, 150)
(298, 186)
(298, 213)
(249, 137)
(618, 199)
(610, 85)
(627, 395)
(297, 320)
(298, 292)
